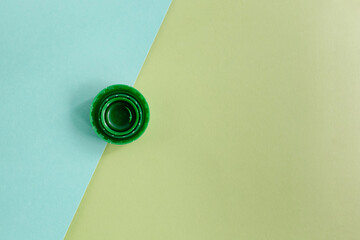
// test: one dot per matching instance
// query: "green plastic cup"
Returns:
(119, 114)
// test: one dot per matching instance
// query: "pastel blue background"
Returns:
(55, 56)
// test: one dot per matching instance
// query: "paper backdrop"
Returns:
(254, 131)
(55, 56)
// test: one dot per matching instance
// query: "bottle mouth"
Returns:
(119, 114)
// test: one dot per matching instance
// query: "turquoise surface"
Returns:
(55, 56)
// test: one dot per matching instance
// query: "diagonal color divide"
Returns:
(254, 130)
(54, 58)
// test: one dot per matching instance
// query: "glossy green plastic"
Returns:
(119, 114)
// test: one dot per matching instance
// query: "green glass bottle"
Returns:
(119, 114)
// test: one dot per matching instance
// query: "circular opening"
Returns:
(120, 116)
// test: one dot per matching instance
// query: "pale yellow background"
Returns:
(254, 131)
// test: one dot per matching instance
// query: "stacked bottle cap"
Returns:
(119, 114)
